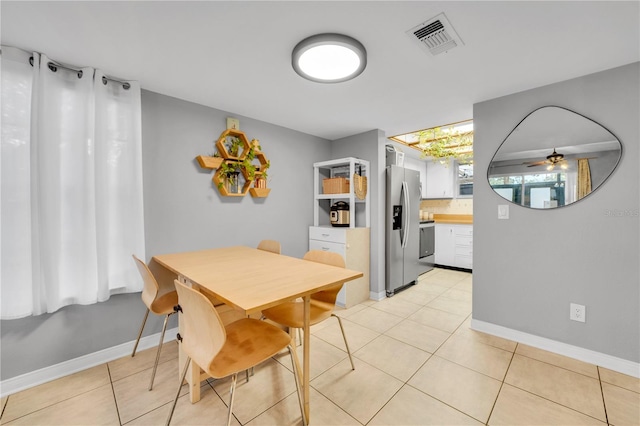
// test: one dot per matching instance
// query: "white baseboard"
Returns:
(620, 365)
(38, 377)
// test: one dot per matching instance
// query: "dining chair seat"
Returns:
(160, 301)
(222, 351)
(164, 304)
(291, 314)
(249, 342)
(322, 303)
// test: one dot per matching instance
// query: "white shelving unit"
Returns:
(352, 242)
(341, 167)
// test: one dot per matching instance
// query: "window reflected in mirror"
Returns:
(553, 158)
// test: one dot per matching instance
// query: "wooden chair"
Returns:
(291, 314)
(160, 301)
(225, 351)
(270, 245)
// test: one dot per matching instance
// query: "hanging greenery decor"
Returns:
(445, 143)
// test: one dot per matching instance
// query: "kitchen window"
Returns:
(465, 180)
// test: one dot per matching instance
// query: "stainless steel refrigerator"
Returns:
(402, 228)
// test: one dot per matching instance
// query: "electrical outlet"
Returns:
(577, 312)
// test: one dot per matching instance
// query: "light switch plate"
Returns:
(503, 211)
(233, 123)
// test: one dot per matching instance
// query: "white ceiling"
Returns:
(236, 56)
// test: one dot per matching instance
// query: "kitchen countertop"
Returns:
(461, 219)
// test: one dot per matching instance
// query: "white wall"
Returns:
(529, 268)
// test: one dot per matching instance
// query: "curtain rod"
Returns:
(53, 66)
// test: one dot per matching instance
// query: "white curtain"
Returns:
(71, 192)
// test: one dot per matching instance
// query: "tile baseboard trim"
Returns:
(65, 368)
(620, 365)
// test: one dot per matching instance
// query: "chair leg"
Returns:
(234, 378)
(144, 321)
(184, 374)
(345, 341)
(155, 365)
(296, 375)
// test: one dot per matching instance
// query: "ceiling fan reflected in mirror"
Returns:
(552, 160)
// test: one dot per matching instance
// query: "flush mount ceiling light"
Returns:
(329, 58)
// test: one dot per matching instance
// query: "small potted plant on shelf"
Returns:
(231, 172)
(233, 146)
(261, 178)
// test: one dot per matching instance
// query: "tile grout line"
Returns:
(551, 400)
(332, 402)
(4, 406)
(561, 367)
(406, 383)
(556, 403)
(389, 400)
(113, 392)
(55, 403)
(445, 403)
(513, 354)
(604, 403)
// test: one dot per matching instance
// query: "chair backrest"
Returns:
(328, 258)
(202, 332)
(150, 289)
(270, 245)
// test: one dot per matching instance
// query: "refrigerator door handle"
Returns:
(405, 223)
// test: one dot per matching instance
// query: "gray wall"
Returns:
(529, 268)
(183, 208)
(367, 146)
(183, 211)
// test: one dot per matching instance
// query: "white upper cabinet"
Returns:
(440, 180)
(420, 166)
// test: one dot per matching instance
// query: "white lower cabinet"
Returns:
(353, 245)
(454, 245)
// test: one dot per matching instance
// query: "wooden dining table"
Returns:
(251, 280)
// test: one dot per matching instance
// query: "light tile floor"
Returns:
(417, 363)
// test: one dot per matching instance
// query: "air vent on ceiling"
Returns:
(436, 35)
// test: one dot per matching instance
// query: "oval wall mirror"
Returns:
(552, 158)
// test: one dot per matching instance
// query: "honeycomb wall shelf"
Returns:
(238, 162)
(209, 162)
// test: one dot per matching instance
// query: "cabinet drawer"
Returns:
(328, 246)
(464, 262)
(464, 241)
(464, 231)
(321, 233)
(464, 251)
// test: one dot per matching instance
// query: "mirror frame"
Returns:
(613, 169)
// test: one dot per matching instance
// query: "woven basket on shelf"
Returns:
(337, 185)
(360, 184)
